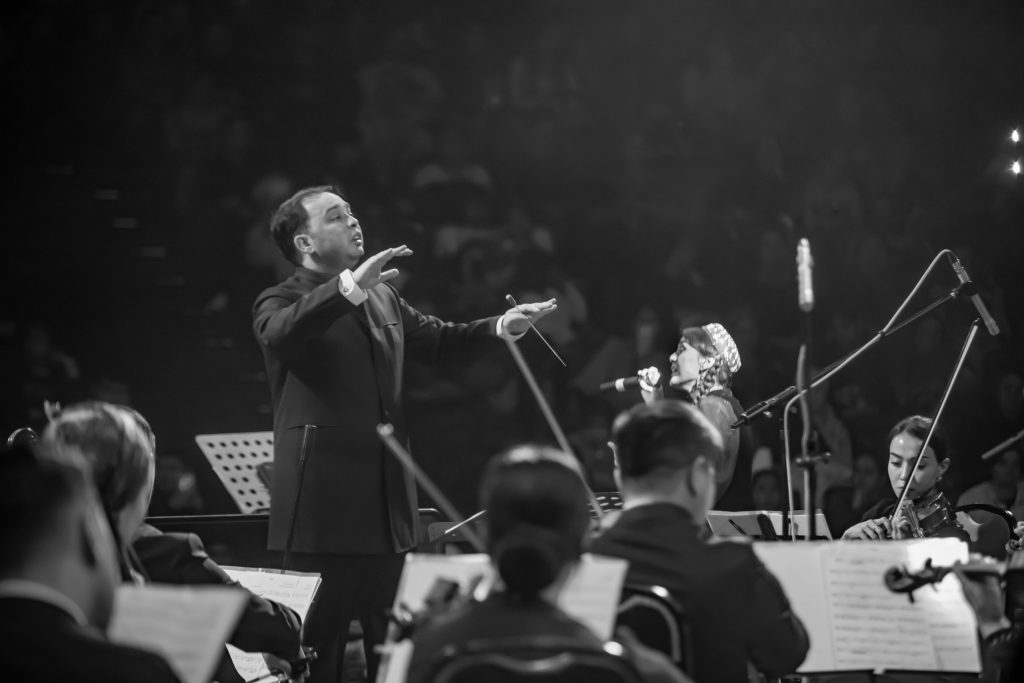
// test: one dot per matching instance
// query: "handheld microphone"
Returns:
(970, 289)
(805, 281)
(652, 376)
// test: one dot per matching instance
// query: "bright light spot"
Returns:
(1016, 167)
(1015, 135)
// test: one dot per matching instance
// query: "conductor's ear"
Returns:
(303, 243)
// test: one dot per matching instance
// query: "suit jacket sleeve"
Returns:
(778, 640)
(430, 339)
(265, 625)
(280, 320)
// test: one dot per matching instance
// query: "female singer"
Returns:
(703, 366)
(537, 524)
(927, 512)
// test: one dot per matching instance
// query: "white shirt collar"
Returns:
(30, 590)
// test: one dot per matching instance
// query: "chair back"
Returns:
(994, 528)
(658, 621)
(537, 659)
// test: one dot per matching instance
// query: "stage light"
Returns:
(1016, 167)
(1015, 135)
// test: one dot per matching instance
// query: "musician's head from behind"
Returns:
(705, 359)
(537, 518)
(316, 228)
(119, 451)
(905, 441)
(53, 531)
(667, 452)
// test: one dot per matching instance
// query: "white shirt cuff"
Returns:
(500, 331)
(349, 289)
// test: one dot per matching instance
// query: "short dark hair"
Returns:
(292, 218)
(917, 426)
(537, 516)
(112, 441)
(665, 436)
(35, 493)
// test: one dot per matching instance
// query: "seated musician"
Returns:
(537, 524)
(666, 455)
(58, 572)
(119, 444)
(927, 512)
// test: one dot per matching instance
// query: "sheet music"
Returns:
(951, 620)
(591, 596)
(868, 627)
(421, 571)
(797, 567)
(292, 589)
(186, 625)
(873, 628)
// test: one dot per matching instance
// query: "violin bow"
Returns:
(386, 432)
(938, 413)
(563, 442)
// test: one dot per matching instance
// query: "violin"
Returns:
(930, 515)
(901, 580)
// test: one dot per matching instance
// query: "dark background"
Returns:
(652, 164)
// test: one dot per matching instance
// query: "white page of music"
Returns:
(591, 595)
(186, 625)
(292, 589)
(856, 623)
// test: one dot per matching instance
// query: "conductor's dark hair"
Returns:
(661, 438)
(35, 495)
(292, 218)
(917, 426)
(537, 516)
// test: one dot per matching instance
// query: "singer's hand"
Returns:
(517, 320)
(650, 385)
(368, 275)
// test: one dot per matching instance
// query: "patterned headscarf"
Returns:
(726, 346)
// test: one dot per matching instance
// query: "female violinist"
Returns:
(926, 511)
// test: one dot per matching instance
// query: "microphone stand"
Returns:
(767, 407)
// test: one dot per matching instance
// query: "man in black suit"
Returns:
(666, 455)
(335, 337)
(58, 571)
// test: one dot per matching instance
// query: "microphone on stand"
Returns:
(651, 376)
(804, 275)
(972, 291)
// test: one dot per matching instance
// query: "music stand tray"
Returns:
(235, 459)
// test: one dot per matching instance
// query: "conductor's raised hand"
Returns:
(517, 319)
(371, 273)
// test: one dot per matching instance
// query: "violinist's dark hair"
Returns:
(917, 426)
(537, 516)
(665, 436)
